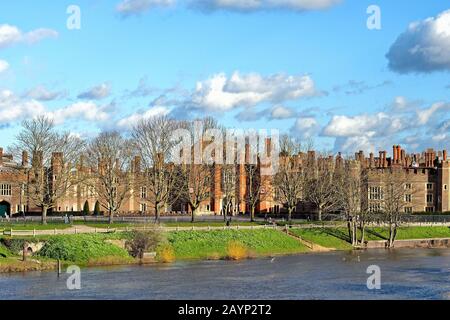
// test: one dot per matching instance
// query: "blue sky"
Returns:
(310, 68)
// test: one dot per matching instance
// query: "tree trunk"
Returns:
(157, 213)
(111, 217)
(350, 229)
(194, 213)
(319, 214)
(363, 231)
(290, 214)
(44, 215)
(252, 214)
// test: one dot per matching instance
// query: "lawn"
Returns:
(31, 226)
(213, 244)
(406, 233)
(325, 237)
(210, 223)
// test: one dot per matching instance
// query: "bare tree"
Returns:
(289, 181)
(197, 177)
(54, 165)
(154, 142)
(110, 157)
(229, 188)
(350, 183)
(393, 182)
(320, 186)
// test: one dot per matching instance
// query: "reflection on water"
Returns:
(405, 274)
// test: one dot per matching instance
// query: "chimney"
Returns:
(444, 155)
(268, 147)
(1, 156)
(399, 153)
(37, 160)
(137, 164)
(394, 153)
(24, 158)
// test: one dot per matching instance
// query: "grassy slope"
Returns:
(206, 244)
(326, 237)
(409, 233)
(82, 248)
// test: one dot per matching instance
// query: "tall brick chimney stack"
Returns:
(37, 160)
(399, 153)
(394, 154)
(371, 160)
(24, 158)
(1, 156)
(268, 147)
(444, 155)
(137, 164)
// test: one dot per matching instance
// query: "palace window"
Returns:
(114, 192)
(429, 186)
(374, 207)
(408, 209)
(143, 192)
(143, 207)
(429, 198)
(375, 193)
(408, 198)
(408, 186)
(5, 189)
(429, 209)
(445, 187)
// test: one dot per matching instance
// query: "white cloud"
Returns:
(95, 93)
(424, 115)
(258, 5)
(423, 47)
(220, 93)
(41, 93)
(4, 65)
(133, 119)
(305, 127)
(345, 126)
(80, 110)
(133, 7)
(279, 112)
(10, 35)
(13, 108)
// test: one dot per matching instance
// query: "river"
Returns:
(405, 274)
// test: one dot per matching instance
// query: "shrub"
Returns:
(142, 241)
(236, 251)
(97, 208)
(86, 208)
(165, 254)
(80, 248)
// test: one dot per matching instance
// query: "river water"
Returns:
(405, 274)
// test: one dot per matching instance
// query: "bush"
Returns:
(97, 209)
(165, 254)
(80, 248)
(86, 208)
(236, 251)
(142, 241)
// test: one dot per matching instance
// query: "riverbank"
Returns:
(109, 248)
